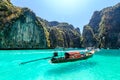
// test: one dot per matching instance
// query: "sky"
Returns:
(75, 12)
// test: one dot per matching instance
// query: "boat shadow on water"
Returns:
(70, 67)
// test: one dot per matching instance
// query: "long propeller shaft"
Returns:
(22, 63)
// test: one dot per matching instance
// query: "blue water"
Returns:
(104, 65)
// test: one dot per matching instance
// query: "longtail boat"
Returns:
(68, 57)
(71, 56)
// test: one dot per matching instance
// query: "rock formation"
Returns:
(21, 28)
(62, 34)
(103, 29)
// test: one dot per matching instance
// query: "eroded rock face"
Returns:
(26, 32)
(60, 37)
(20, 29)
(62, 34)
(105, 28)
(89, 39)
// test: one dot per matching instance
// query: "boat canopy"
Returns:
(72, 55)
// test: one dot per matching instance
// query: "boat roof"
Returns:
(73, 53)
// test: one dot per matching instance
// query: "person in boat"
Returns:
(67, 55)
(54, 55)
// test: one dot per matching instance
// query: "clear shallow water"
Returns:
(104, 65)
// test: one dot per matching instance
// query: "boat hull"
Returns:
(63, 60)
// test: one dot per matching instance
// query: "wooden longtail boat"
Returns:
(71, 56)
(68, 57)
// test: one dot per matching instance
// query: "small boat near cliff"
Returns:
(68, 57)
(71, 56)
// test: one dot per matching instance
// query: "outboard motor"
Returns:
(55, 54)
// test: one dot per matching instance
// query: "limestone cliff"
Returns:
(104, 28)
(19, 28)
(62, 34)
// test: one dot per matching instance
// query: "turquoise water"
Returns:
(104, 65)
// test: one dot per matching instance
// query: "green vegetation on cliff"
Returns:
(62, 34)
(20, 28)
(8, 13)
